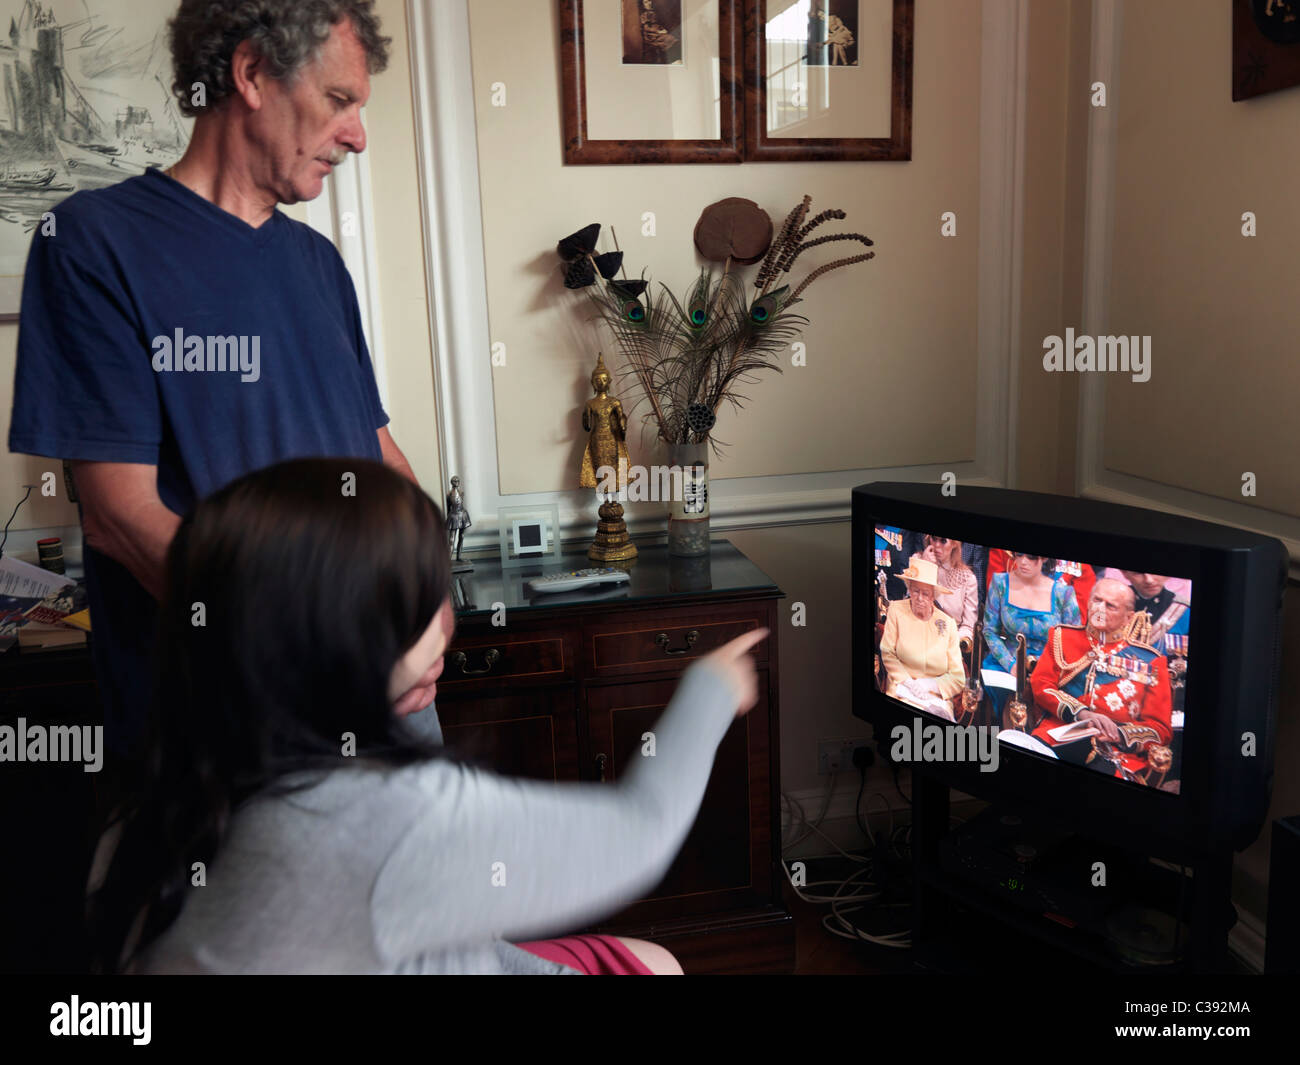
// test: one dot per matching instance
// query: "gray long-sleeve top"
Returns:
(434, 868)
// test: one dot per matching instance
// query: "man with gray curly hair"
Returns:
(277, 111)
(179, 331)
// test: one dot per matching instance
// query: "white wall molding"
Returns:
(447, 154)
(451, 211)
(1098, 232)
(1004, 73)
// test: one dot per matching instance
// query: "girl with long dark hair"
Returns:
(292, 822)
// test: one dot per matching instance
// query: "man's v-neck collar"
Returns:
(183, 195)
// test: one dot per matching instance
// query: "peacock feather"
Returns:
(688, 356)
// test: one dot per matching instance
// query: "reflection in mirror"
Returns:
(788, 25)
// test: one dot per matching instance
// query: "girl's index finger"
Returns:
(742, 644)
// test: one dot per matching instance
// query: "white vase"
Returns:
(688, 516)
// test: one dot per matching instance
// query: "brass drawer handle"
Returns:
(458, 659)
(691, 637)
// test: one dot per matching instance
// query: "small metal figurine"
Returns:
(457, 522)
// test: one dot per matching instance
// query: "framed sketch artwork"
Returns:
(85, 102)
(725, 81)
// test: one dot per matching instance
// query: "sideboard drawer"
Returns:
(488, 658)
(658, 641)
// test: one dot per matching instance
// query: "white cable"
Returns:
(848, 930)
(792, 827)
(826, 804)
(866, 817)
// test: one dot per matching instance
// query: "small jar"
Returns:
(50, 551)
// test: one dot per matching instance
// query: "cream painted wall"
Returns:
(898, 328)
(811, 564)
(1221, 309)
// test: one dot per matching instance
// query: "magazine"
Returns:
(29, 593)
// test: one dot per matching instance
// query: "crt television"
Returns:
(1185, 671)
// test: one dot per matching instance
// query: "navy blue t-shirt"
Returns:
(158, 328)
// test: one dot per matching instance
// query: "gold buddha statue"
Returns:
(606, 426)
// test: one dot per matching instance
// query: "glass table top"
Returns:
(655, 575)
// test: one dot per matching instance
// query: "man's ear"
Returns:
(248, 75)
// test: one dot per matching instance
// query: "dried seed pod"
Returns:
(700, 418)
(734, 228)
(609, 263)
(579, 244)
(579, 274)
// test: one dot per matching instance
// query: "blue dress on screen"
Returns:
(1003, 620)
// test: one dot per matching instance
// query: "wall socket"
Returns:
(836, 756)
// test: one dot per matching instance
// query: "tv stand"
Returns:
(1063, 920)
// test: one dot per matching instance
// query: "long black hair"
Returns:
(291, 594)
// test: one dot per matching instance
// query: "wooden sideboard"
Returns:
(555, 687)
(563, 687)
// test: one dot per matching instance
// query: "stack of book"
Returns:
(40, 610)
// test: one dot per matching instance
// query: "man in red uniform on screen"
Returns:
(1098, 674)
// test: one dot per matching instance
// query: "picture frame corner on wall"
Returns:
(618, 57)
(837, 35)
(1265, 47)
(619, 61)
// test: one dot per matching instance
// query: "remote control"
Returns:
(578, 578)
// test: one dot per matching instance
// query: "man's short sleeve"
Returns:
(84, 386)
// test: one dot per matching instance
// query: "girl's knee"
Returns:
(654, 957)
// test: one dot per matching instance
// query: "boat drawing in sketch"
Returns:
(85, 101)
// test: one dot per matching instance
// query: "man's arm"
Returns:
(393, 455)
(123, 517)
(421, 695)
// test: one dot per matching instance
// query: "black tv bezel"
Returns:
(1216, 807)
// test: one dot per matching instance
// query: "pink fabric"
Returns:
(590, 955)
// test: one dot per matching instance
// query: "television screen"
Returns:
(1074, 660)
